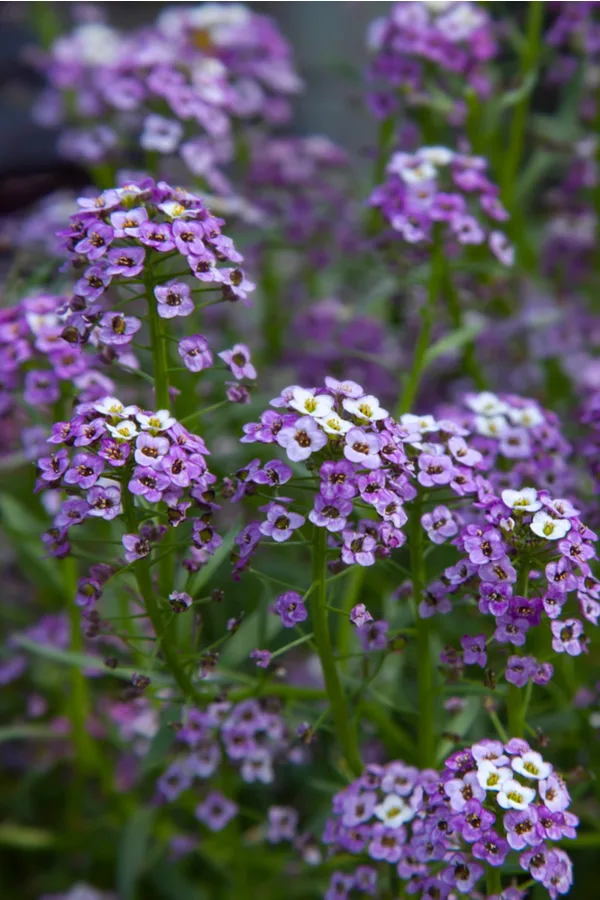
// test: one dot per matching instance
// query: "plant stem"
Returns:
(456, 317)
(79, 706)
(493, 881)
(345, 627)
(160, 362)
(517, 698)
(426, 723)
(146, 589)
(413, 378)
(346, 734)
(529, 62)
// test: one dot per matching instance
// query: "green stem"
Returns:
(493, 881)
(160, 361)
(529, 63)
(411, 385)
(79, 706)
(517, 698)
(345, 627)
(456, 317)
(146, 589)
(426, 688)
(346, 734)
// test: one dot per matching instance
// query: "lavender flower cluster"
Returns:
(439, 829)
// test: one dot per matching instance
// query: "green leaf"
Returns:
(24, 530)
(512, 98)
(453, 341)
(159, 747)
(28, 732)
(133, 852)
(83, 662)
(24, 838)
(172, 884)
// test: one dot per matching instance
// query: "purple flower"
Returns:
(52, 467)
(149, 483)
(339, 886)
(521, 828)
(290, 607)
(93, 284)
(118, 330)
(494, 598)
(85, 470)
(280, 523)
(115, 453)
(358, 548)
(136, 547)
(331, 515)
(338, 480)
(462, 790)
(301, 439)
(105, 502)
(462, 873)
(216, 811)
(180, 602)
(372, 635)
(174, 299)
(195, 353)
(96, 241)
(261, 657)
(566, 636)
(273, 472)
(238, 360)
(474, 650)
(491, 848)
(157, 235)
(439, 524)
(41, 387)
(511, 631)
(435, 470)
(127, 224)
(179, 468)
(485, 547)
(174, 781)
(360, 615)
(125, 261)
(362, 448)
(519, 670)
(283, 822)
(473, 821)
(188, 237)
(72, 512)
(89, 432)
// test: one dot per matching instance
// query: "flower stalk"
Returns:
(426, 722)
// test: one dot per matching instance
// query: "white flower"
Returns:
(546, 527)
(124, 431)
(437, 156)
(531, 765)
(411, 169)
(514, 795)
(309, 404)
(176, 211)
(422, 424)
(493, 426)
(111, 406)
(486, 404)
(333, 424)
(525, 500)
(564, 509)
(507, 525)
(490, 777)
(158, 421)
(347, 388)
(528, 417)
(366, 407)
(394, 811)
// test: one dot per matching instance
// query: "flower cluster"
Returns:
(520, 529)
(34, 357)
(519, 440)
(361, 459)
(424, 49)
(179, 86)
(437, 191)
(438, 829)
(110, 454)
(122, 232)
(250, 735)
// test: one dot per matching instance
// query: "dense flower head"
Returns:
(520, 441)
(439, 194)
(107, 448)
(249, 736)
(36, 359)
(420, 49)
(438, 829)
(177, 87)
(360, 457)
(123, 231)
